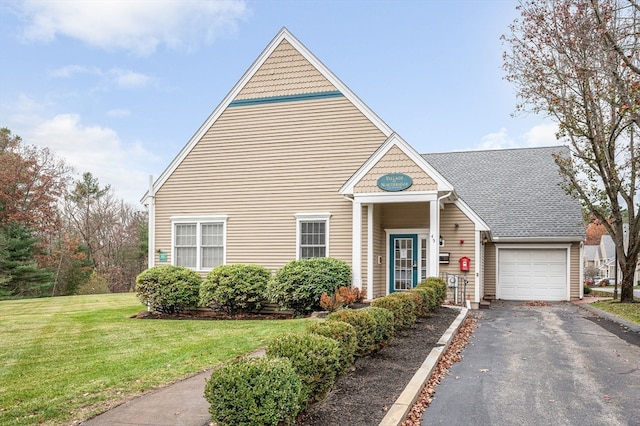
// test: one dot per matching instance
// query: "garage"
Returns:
(532, 274)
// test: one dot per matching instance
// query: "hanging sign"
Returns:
(394, 182)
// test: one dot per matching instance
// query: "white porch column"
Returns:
(434, 239)
(356, 251)
(370, 251)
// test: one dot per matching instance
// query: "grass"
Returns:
(65, 359)
(628, 311)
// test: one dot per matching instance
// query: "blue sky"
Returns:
(117, 88)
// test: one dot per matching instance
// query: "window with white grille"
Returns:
(199, 243)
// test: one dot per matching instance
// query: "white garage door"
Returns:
(532, 274)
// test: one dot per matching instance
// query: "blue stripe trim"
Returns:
(287, 98)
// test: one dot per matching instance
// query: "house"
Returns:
(603, 257)
(292, 164)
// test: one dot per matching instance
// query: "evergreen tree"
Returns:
(20, 275)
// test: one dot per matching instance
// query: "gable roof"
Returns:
(395, 140)
(515, 191)
(283, 35)
(607, 247)
(590, 251)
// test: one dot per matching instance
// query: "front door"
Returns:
(403, 262)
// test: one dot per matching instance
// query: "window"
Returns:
(199, 242)
(312, 235)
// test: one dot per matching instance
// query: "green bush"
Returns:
(433, 297)
(299, 284)
(408, 307)
(384, 325)
(418, 301)
(168, 288)
(402, 307)
(425, 301)
(317, 359)
(235, 288)
(365, 325)
(343, 333)
(438, 285)
(96, 284)
(587, 289)
(254, 391)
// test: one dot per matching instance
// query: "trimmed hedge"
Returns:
(168, 288)
(299, 284)
(365, 325)
(384, 325)
(343, 333)
(438, 285)
(254, 391)
(426, 297)
(402, 306)
(316, 359)
(235, 288)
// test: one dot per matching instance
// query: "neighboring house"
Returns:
(292, 164)
(605, 257)
(591, 256)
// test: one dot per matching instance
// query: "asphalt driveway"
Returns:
(542, 365)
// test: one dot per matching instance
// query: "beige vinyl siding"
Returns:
(574, 277)
(285, 72)
(490, 270)
(405, 215)
(396, 161)
(449, 217)
(260, 165)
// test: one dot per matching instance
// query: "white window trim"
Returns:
(198, 220)
(312, 217)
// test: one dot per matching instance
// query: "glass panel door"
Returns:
(404, 262)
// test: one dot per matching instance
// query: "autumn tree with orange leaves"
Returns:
(578, 61)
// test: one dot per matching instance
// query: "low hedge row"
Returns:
(317, 357)
(241, 288)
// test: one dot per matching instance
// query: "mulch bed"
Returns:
(363, 396)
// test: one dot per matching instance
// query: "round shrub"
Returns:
(587, 289)
(168, 288)
(343, 333)
(384, 325)
(364, 324)
(418, 302)
(256, 391)
(402, 306)
(425, 301)
(299, 284)
(438, 285)
(235, 288)
(433, 297)
(316, 359)
(408, 307)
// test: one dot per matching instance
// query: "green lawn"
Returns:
(628, 311)
(68, 358)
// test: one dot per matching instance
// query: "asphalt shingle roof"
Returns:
(515, 191)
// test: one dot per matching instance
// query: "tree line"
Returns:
(60, 235)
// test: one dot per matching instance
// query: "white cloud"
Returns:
(98, 150)
(129, 79)
(122, 78)
(135, 26)
(69, 71)
(498, 140)
(541, 135)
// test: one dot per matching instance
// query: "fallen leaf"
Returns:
(484, 370)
